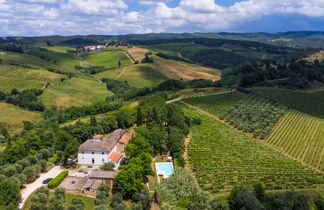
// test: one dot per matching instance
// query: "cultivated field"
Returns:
(180, 70)
(301, 137)
(59, 49)
(222, 157)
(61, 58)
(216, 104)
(25, 78)
(108, 59)
(75, 92)
(137, 53)
(140, 75)
(311, 103)
(33, 61)
(14, 116)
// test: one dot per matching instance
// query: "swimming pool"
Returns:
(164, 169)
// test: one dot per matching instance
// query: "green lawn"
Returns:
(75, 92)
(309, 103)
(14, 116)
(141, 75)
(107, 59)
(25, 78)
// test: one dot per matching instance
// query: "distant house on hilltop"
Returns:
(102, 149)
(89, 48)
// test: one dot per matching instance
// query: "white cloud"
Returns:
(95, 7)
(44, 17)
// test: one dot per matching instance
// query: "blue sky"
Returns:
(70, 17)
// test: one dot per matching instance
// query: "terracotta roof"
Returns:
(125, 138)
(105, 145)
(115, 157)
(96, 174)
(98, 136)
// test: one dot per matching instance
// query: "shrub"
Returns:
(57, 180)
(108, 166)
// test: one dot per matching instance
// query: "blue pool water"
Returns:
(164, 169)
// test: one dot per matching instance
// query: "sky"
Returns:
(114, 17)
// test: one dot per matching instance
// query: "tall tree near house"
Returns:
(119, 64)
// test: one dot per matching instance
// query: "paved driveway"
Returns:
(30, 188)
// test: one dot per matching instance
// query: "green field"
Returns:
(108, 59)
(75, 92)
(14, 116)
(59, 49)
(25, 78)
(301, 137)
(216, 104)
(222, 157)
(140, 75)
(63, 59)
(33, 61)
(309, 103)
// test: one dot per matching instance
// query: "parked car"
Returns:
(45, 181)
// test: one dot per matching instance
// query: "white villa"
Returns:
(102, 148)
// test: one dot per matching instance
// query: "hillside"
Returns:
(25, 78)
(14, 116)
(74, 92)
(311, 103)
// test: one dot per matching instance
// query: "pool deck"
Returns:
(162, 172)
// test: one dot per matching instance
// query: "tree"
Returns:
(259, 192)
(107, 166)
(241, 198)
(76, 204)
(9, 194)
(129, 180)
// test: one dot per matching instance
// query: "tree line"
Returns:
(26, 99)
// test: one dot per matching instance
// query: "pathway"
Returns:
(30, 188)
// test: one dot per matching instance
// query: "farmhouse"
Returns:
(89, 48)
(101, 149)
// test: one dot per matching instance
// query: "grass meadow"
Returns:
(108, 59)
(25, 78)
(75, 92)
(14, 116)
(140, 75)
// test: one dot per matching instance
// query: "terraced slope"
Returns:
(222, 157)
(301, 137)
(26, 78)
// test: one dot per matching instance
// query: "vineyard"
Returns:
(222, 157)
(255, 114)
(301, 137)
(216, 104)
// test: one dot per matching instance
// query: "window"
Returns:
(82, 152)
(103, 160)
(93, 153)
(103, 153)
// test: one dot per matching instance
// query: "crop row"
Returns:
(301, 137)
(216, 104)
(222, 157)
(255, 115)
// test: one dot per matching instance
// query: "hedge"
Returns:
(57, 180)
